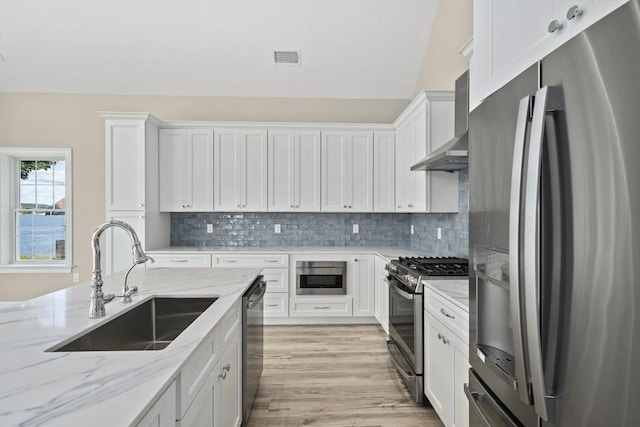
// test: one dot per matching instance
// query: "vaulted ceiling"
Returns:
(348, 48)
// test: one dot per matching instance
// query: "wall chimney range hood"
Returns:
(454, 155)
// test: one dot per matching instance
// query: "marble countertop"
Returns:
(456, 291)
(100, 388)
(388, 252)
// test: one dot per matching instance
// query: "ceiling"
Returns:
(349, 48)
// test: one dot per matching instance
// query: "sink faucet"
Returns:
(97, 298)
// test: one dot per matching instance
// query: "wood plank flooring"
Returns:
(332, 375)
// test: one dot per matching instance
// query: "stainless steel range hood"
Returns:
(453, 155)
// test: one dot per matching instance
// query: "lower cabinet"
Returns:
(445, 371)
(360, 273)
(381, 292)
(163, 412)
(321, 307)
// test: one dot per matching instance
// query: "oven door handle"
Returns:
(397, 290)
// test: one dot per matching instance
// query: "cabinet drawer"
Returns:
(196, 370)
(180, 260)
(265, 261)
(450, 315)
(277, 279)
(320, 307)
(230, 323)
(276, 305)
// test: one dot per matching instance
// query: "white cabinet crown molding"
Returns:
(117, 115)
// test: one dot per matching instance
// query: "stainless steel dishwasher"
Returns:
(252, 342)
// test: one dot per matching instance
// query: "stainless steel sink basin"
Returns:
(150, 326)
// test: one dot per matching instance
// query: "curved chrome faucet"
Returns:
(97, 298)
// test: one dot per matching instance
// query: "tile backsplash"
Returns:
(328, 229)
(297, 229)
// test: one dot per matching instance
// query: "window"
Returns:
(35, 213)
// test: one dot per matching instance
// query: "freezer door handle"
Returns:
(473, 397)
(482, 404)
(515, 233)
(548, 99)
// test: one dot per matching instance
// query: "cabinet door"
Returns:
(174, 171)
(508, 37)
(412, 197)
(359, 172)
(307, 171)
(203, 410)
(439, 374)
(229, 401)
(281, 169)
(253, 176)
(163, 412)
(125, 165)
(334, 167)
(199, 170)
(227, 170)
(361, 277)
(384, 158)
(116, 244)
(382, 293)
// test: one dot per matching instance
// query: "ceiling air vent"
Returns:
(286, 57)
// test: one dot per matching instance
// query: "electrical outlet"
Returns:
(277, 228)
(439, 233)
(76, 277)
(356, 228)
(412, 229)
(209, 228)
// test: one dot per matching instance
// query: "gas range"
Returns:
(411, 271)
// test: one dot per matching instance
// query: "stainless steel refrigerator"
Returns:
(554, 211)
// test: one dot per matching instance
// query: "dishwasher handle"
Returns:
(256, 294)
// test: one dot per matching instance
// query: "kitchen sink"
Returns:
(152, 325)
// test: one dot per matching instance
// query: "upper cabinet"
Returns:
(186, 165)
(384, 171)
(347, 171)
(511, 35)
(426, 124)
(131, 142)
(240, 159)
(294, 171)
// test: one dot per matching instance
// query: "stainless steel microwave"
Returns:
(321, 278)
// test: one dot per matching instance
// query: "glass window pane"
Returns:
(27, 196)
(24, 248)
(59, 247)
(59, 197)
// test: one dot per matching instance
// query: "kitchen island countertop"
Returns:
(100, 388)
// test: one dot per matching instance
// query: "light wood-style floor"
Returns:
(332, 375)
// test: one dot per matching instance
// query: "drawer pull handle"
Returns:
(447, 314)
(273, 305)
(272, 280)
(230, 260)
(324, 307)
(178, 260)
(272, 261)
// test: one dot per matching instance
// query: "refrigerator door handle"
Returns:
(515, 222)
(548, 99)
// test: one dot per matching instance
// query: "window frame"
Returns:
(10, 158)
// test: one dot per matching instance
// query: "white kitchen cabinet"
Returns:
(360, 270)
(321, 306)
(347, 171)
(384, 171)
(186, 170)
(179, 260)
(294, 171)
(511, 35)
(131, 143)
(163, 411)
(381, 293)
(446, 350)
(240, 172)
(425, 125)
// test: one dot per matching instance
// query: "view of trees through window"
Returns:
(40, 217)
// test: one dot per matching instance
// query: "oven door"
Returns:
(405, 322)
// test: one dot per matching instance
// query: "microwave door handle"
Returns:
(515, 233)
(548, 99)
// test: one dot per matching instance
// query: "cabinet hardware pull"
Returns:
(272, 280)
(292, 206)
(297, 206)
(399, 206)
(350, 206)
(272, 260)
(141, 205)
(345, 206)
(272, 305)
(573, 12)
(226, 368)
(447, 314)
(554, 26)
(230, 260)
(178, 260)
(410, 206)
(324, 307)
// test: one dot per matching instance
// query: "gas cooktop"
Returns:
(410, 271)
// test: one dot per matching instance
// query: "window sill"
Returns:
(34, 268)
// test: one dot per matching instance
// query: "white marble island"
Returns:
(105, 388)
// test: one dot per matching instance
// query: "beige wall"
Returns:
(452, 28)
(58, 120)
